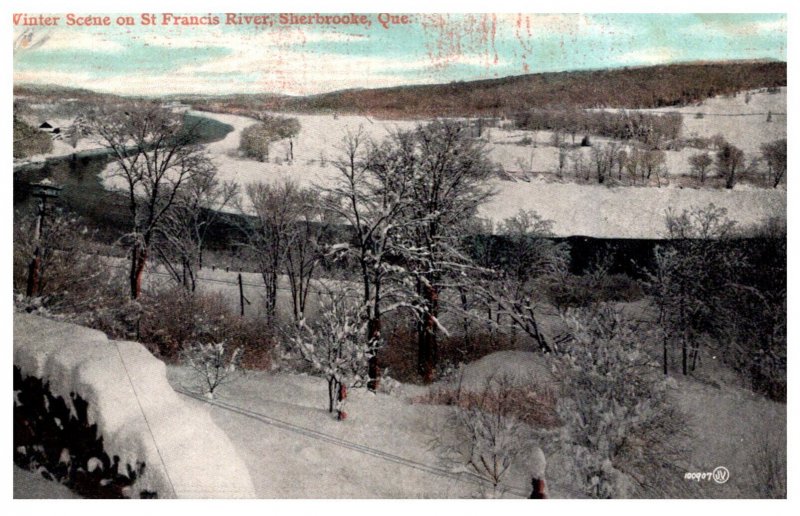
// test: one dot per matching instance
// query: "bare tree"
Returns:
(605, 158)
(485, 434)
(730, 159)
(633, 164)
(700, 164)
(563, 155)
(183, 235)
(775, 155)
(652, 162)
(304, 250)
(276, 210)
(156, 153)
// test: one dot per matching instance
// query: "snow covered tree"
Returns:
(212, 364)
(692, 277)
(76, 131)
(515, 291)
(155, 154)
(370, 195)
(617, 424)
(449, 173)
(337, 346)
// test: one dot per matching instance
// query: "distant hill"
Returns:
(641, 87)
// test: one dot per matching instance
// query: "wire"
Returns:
(149, 428)
(314, 434)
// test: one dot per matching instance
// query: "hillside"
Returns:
(641, 87)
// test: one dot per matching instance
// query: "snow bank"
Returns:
(517, 367)
(138, 414)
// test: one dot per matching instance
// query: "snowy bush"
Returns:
(618, 425)
(212, 364)
(173, 318)
(337, 347)
(485, 433)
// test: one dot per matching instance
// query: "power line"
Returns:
(320, 436)
(147, 423)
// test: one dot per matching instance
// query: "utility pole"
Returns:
(42, 190)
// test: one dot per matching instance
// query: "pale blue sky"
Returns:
(312, 59)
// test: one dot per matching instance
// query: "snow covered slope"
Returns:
(138, 414)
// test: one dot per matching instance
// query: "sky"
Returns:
(430, 48)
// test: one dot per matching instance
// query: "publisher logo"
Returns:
(720, 475)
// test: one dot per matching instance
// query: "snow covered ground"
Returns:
(626, 212)
(590, 210)
(268, 415)
(295, 449)
(31, 485)
(291, 447)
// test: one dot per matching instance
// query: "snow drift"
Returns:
(139, 416)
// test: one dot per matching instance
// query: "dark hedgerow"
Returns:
(64, 446)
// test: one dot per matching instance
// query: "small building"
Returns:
(46, 127)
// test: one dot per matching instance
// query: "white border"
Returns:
(329, 508)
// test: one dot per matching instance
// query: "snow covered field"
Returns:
(589, 210)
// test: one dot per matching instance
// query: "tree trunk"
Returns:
(33, 275)
(138, 261)
(341, 395)
(241, 295)
(464, 305)
(685, 356)
(331, 393)
(428, 352)
(374, 365)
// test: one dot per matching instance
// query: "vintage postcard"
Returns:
(399, 255)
